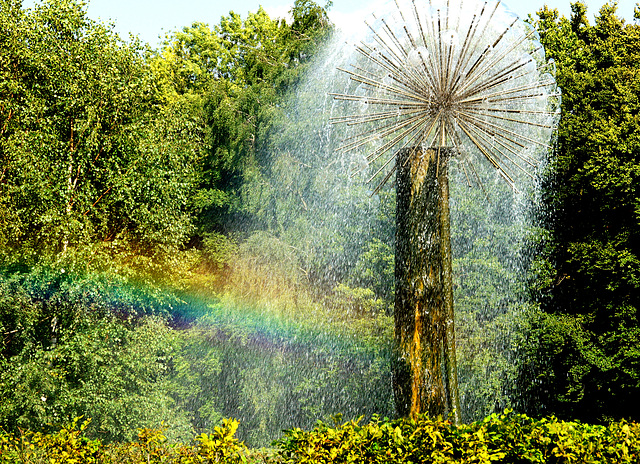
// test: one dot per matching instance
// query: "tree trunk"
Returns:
(424, 369)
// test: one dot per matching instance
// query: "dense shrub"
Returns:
(507, 438)
(69, 445)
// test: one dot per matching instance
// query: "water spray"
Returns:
(436, 81)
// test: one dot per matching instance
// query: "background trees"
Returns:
(119, 166)
(236, 76)
(586, 357)
(83, 137)
(96, 178)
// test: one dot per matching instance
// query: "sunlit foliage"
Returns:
(584, 354)
(504, 438)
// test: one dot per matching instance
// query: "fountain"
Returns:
(435, 81)
(421, 100)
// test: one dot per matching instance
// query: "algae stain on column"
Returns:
(425, 351)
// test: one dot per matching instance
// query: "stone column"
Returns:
(424, 370)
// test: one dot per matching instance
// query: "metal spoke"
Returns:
(449, 76)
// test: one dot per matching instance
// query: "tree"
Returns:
(584, 355)
(96, 173)
(82, 140)
(236, 74)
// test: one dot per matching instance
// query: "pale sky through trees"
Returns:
(152, 18)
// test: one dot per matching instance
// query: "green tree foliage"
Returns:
(86, 156)
(283, 370)
(105, 370)
(489, 267)
(92, 346)
(236, 75)
(110, 153)
(584, 352)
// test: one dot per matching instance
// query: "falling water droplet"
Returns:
(450, 38)
(417, 56)
(527, 62)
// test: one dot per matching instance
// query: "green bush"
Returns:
(508, 438)
(70, 446)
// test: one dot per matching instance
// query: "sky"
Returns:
(152, 19)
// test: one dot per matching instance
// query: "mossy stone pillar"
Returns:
(424, 366)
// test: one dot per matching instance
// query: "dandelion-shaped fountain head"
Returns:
(459, 74)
